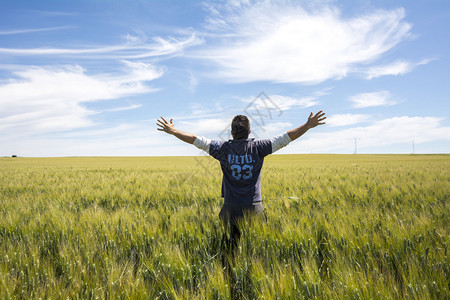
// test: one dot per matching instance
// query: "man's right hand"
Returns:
(315, 120)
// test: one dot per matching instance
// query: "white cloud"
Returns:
(47, 99)
(134, 47)
(206, 126)
(381, 98)
(279, 102)
(47, 13)
(383, 133)
(124, 108)
(142, 139)
(346, 119)
(139, 71)
(137, 139)
(395, 68)
(214, 121)
(283, 42)
(398, 67)
(33, 30)
(272, 129)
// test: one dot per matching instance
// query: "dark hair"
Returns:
(240, 127)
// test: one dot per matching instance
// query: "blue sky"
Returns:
(91, 77)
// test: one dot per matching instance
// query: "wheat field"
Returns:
(338, 226)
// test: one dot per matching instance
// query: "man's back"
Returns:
(241, 162)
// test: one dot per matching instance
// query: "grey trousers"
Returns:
(231, 214)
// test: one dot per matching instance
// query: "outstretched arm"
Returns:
(170, 129)
(313, 121)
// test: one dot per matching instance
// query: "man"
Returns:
(241, 160)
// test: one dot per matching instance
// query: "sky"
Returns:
(90, 78)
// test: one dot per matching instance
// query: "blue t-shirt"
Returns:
(241, 162)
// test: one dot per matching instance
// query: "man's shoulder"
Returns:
(262, 142)
(218, 144)
(215, 145)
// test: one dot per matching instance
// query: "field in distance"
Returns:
(338, 226)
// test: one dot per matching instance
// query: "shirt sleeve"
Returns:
(202, 143)
(280, 141)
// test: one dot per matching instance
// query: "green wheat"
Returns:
(338, 226)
